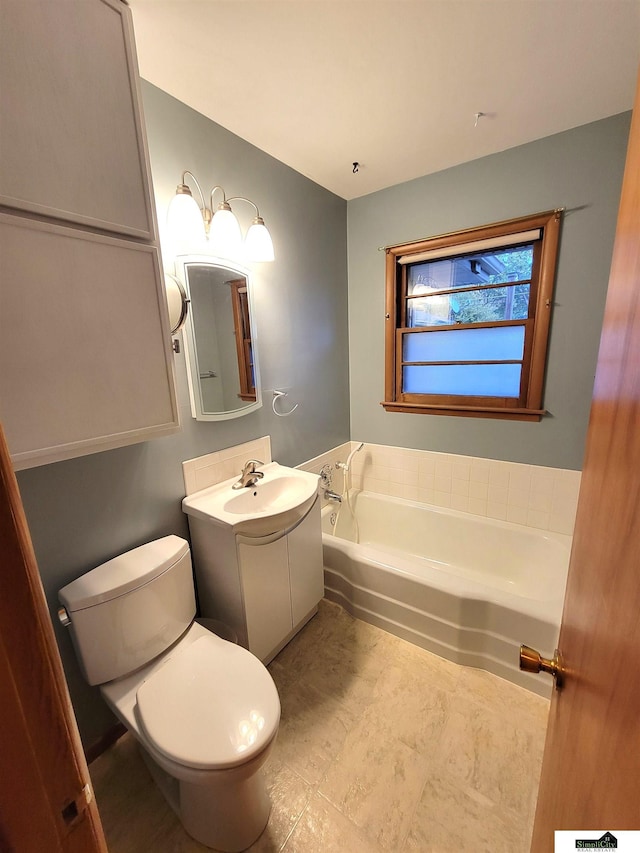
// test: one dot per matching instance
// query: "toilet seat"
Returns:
(211, 706)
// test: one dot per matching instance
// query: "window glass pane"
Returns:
(466, 380)
(489, 267)
(476, 306)
(497, 344)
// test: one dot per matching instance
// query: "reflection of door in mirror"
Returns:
(219, 339)
(240, 299)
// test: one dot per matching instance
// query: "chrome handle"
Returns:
(532, 661)
(63, 616)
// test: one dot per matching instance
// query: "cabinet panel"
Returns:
(85, 358)
(267, 602)
(73, 145)
(306, 565)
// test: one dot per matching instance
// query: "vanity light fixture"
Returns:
(188, 222)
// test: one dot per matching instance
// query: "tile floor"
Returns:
(383, 747)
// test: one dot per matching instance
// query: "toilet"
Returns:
(204, 710)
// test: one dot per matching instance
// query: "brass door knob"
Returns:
(532, 661)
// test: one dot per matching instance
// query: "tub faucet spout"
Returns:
(332, 496)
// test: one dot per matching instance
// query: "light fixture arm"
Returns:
(257, 219)
(224, 204)
(258, 243)
(184, 189)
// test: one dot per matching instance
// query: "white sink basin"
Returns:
(277, 501)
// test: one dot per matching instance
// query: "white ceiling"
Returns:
(393, 84)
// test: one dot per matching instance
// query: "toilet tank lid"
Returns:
(124, 573)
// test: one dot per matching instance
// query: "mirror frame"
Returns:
(182, 263)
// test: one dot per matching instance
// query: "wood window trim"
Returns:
(242, 328)
(529, 407)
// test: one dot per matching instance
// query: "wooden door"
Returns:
(591, 767)
(46, 800)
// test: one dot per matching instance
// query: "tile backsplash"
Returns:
(205, 471)
(544, 498)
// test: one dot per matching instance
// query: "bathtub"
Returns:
(467, 588)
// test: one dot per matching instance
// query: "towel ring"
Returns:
(276, 396)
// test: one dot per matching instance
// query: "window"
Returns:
(467, 320)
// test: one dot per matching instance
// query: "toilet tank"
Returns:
(128, 611)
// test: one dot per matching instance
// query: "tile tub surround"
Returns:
(532, 495)
(382, 747)
(205, 471)
(544, 498)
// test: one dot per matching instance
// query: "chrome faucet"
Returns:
(249, 476)
(332, 496)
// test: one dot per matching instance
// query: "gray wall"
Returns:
(580, 170)
(85, 511)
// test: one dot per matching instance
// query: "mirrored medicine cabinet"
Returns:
(219, 338)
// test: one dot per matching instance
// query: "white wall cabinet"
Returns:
(73, 143)
(85, 347)
(265, 588)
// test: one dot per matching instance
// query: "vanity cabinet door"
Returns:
(85, 360)
(306, 571)
(264, 572)
(73, 145)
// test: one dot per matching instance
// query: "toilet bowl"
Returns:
(204, 710)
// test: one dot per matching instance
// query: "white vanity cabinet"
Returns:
(266, 588)
(265, 582)
(86, 359)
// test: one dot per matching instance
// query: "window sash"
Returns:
(409, 299)
(506, 400)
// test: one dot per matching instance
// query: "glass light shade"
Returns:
(258, 245)
(225, 238)
(184, 220)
